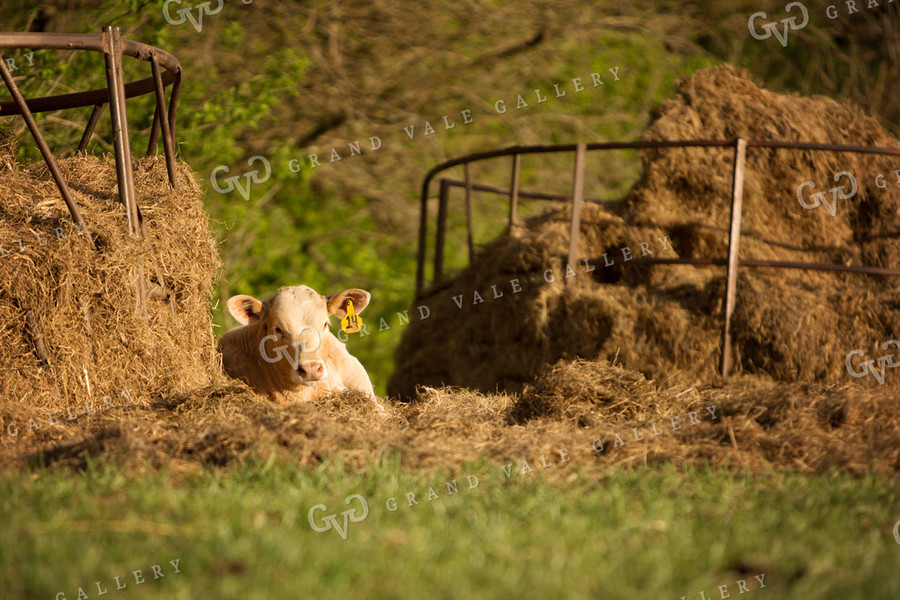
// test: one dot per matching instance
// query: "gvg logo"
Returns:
(837, 193)
(331, 521)
(187, 13)
(788, 24)
(868, 366)
(234, 181)
(281, 352)
(897, 531)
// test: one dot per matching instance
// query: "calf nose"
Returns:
(311, 370)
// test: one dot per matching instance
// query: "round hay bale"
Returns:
(72, 340)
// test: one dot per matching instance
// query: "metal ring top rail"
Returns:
(86, 41)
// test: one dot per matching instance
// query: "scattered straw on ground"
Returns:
(599, 414)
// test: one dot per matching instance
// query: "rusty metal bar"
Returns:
(89, 129)
(140, 293)
(122, 144)
(514, 189)
(173, 101)
(469, 241)
(479, 187)
(441, 231)
(824, 147)
(41, 143)
(161, 120)
(423, 231)
(777, 264)
(519, 150)
(168, 144)
(550, 149)
(119, 118)
(734, 238)
(93, 42)
(153, 140)
(577, 201)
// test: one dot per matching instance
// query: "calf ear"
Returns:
(246, 309)
(337, 303)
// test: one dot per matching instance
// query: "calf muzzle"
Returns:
(311, 371)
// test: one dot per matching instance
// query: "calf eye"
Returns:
(325, 326)
(278, 330)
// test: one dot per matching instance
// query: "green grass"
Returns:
(638, 534)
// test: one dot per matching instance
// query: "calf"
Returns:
(285, 349)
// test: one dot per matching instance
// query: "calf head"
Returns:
(292, 327)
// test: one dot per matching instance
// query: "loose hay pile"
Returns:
(71, 337)
(665, 321)
(598, 414)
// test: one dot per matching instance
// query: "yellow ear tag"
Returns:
(352, 321)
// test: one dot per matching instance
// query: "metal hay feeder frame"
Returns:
(732, 262)
(114, 47)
